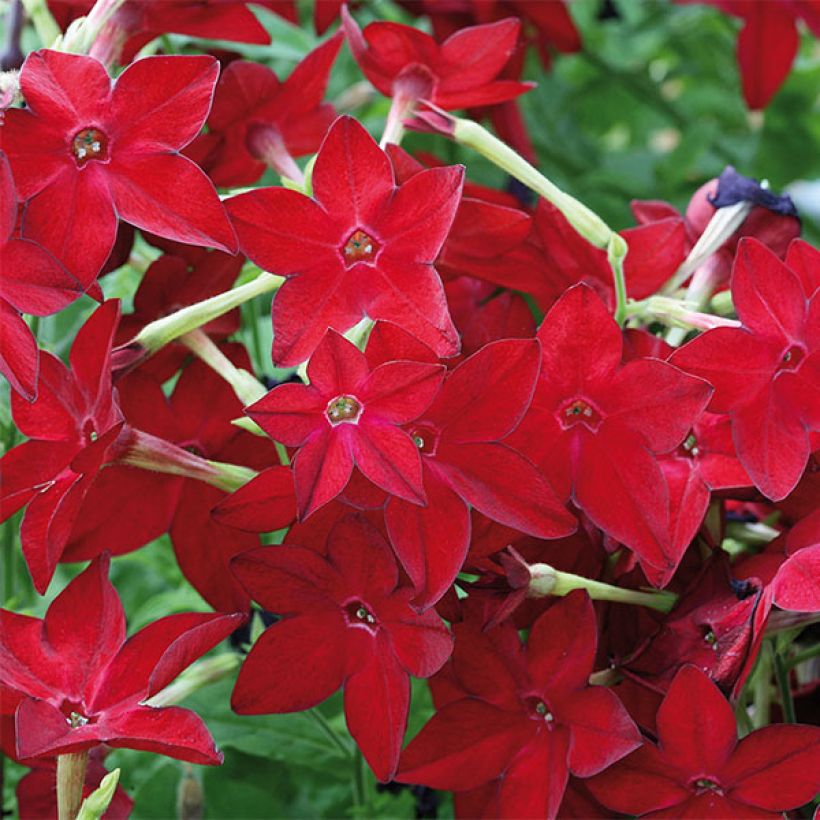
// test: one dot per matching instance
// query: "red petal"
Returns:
(265, 504)
(389, 458)
(804, 260)
(19, 354)
(322, 468)
(377, 702)
(422, 643)
(296, 664)
(775, 768)
(476, 54)
(796, 586)
(170, 196)
(465, 744)
(291, 413)
(352, 177)
(27, 469)
(503, 485)
(655, 252)
(401, 391)
(160, 103)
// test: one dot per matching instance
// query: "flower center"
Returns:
(538, 710)
(359, 248)
(705, 784)
(792, 358)
(343, 409)
(579, 411)
(426, 439)
(359, 615)
(90, 143)
(709, 637)
(689, 448)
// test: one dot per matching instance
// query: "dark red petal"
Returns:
(506, 487)
(486, 396)
(294, 665)
(465, 744)
(696, 724)
(601, 729)
(388, 342)
(766, 48)
(362, 557)
(535, 782)
(160, 103)
(476, 54)
(655, 253)
(772, 444)
(19, 354)
(422, 643)
(377, 702)
(85, 626)
(291, 413)
(287, 579)
(352, 177)
(336, 366)
(172, 731)
(430, 542)
(265, 504)
(170, 196)
(767, 296)
(27, 469)
(804, 260)
(27, 665)
(775, 768)
(90, 356)
(561, 647)
(642, 393)
(389, 458)
(580, 343)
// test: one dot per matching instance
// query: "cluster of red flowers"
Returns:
(446, 477)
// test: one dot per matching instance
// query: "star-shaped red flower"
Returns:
(348, 622)
(525, 717)
(76, 682)
(699, 769)
(86, 153)
(766, 374)
(361, 247)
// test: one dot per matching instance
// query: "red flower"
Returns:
(350, 415)
(257, 120)
(461, 72)
(766, 374)
(599, 426)
(699, 769)
(83, 147)
(33, 282)
(527, 717)
(72, 425)
(362, 246)
(347, 623)
(79, 683)
(466, 463)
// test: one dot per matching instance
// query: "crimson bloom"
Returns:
(72, 426)
(524, 718)
(467, 464)
(403, 62)
(599, 425)
(32, 281)
(699, 769)
(766, 374)
(83, 146)
(362, 246)
(350, 415)
(348, 622)
(76, 682)
(256, 120)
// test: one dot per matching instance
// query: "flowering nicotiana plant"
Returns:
(412, 474)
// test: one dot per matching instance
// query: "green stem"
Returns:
(762, 691)
(321, 721)
(70, 781)
(359, 793)
(256, 336)
(616, 251)
(801, 657)
(781, 672)
(47, 29)
(202, 673)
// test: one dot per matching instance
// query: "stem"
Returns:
(266, 144)
(616, 251)
(781, 672)
(70, 781)
(247, 387)
(359, 800)
(762, 697)
(321, 721)
(700, 290)
(806, 655)
(546, 580)
(201, 673)
(162, 331)
(401, 108)
(676, 313)
(153, 453)
(97, 33)
(47, 29)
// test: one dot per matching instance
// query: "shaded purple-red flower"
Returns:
(350, 415)
(348, 623)
(31, 281)
(72, 426)
(766, 374)
(76, 682)
(699, 769)
(524, 718)
(363, 246)
(87, 147)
